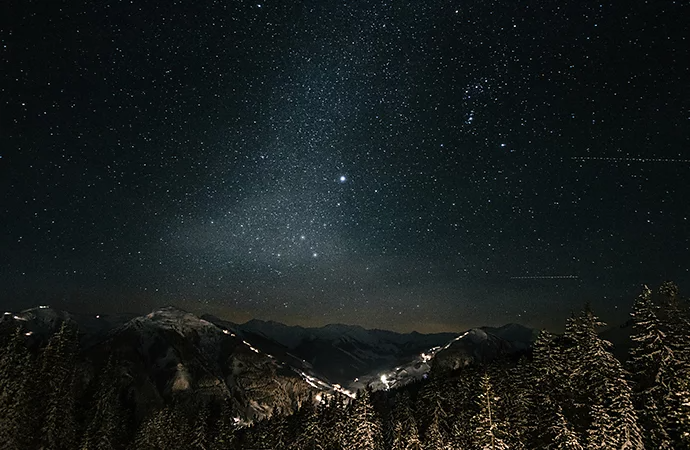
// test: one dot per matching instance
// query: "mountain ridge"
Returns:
(259, 365)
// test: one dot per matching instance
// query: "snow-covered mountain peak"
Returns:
(43, 315)
(477, 335)
(172, 318)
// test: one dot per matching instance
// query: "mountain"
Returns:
(340, 353)
(171, 353)
(476, 346)
(259, 366)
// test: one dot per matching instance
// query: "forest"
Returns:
(570, 392)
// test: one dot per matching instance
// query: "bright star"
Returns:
(343, 178)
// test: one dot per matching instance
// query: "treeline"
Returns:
(571, 393)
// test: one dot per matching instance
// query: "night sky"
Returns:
(428, 165)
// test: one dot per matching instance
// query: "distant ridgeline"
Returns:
(172, 380)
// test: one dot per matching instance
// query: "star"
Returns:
(343, 178)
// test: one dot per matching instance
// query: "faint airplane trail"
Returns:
(545, 277)
(623, 159)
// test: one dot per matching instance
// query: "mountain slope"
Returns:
(476, 346)
(340, 353)
(258, 366)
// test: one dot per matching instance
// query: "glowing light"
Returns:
(384, 380)
(343, 178)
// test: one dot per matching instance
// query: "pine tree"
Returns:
(362, 431)
(164, 429)
(104, 431)
(489, 431)
(512, 387)
(600, 435)
(310, 434)
(463, 409)
(201, 439)
(334, 422)
(433, 398)
(649, 361)
(279, 436)
(564, 438)
(434, 438)
(404, 426)
(604, 384)
(675, 405)
(271, 433)
(225, 429)
(682, 416)
(58, 375)
(16, 372)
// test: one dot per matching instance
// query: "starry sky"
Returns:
(428, 165)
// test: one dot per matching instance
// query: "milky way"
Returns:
(418, 165)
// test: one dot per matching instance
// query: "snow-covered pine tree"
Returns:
(675, 405)
(682, 416)
(310, 433)
(225, 438)
(512, 387)
(542, 376)
(604, 383)
(362, 430)
(270, 433)
(601, 433)
(104, 431)
(16, 376)
(650, 357)
(564, 438)
(255, 436)
(334, 421)
(575, 397)
(462, 409)
(434, 437)
(201, 440)
(434, 397)
(405, 430)
(58, 379)
(164, 429)
(489, 431)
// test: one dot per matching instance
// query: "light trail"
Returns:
(546, 277)
(623, 159)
